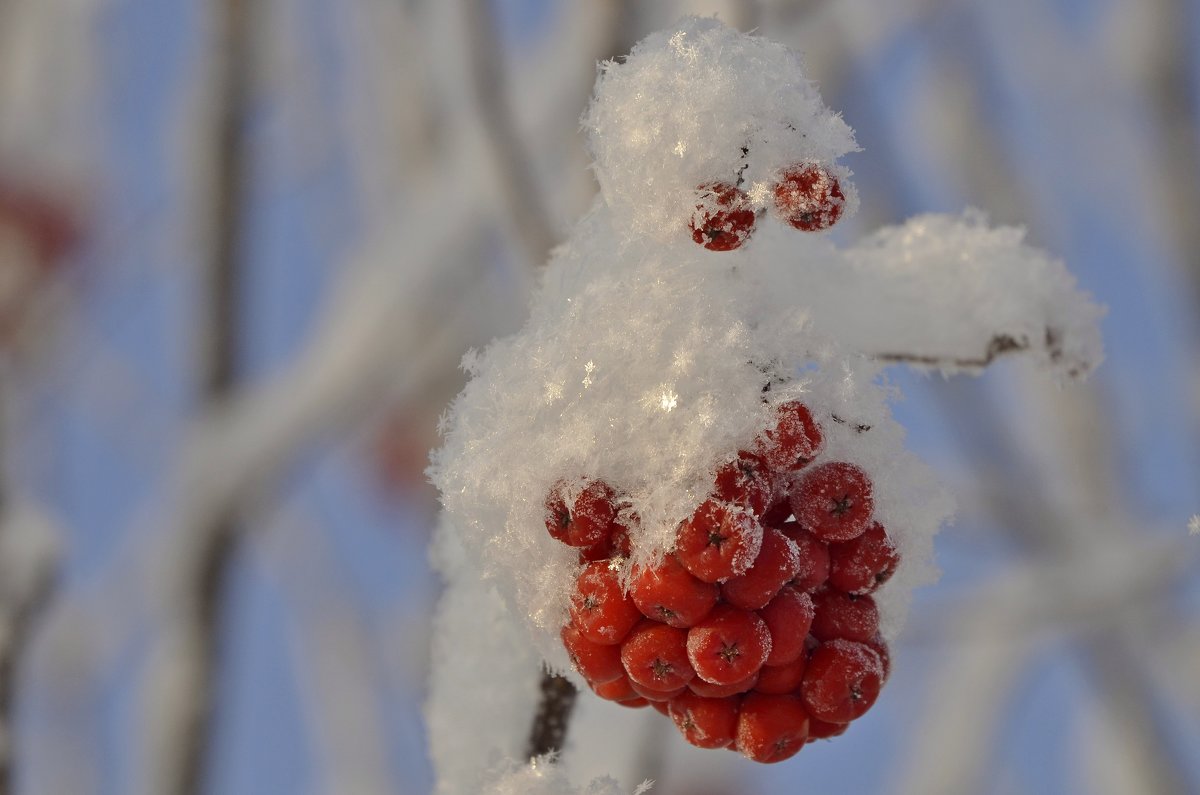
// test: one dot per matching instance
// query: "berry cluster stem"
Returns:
(553, 717)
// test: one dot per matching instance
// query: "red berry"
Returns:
(600, 609)
(619, 689)
(719, 541)
(880, 647)
(655, 656)
(705, 722)
(558, 513)
(654, 695)
(777, 563)
(840, 615)
(793, 441)
(635, 703)
(833, 501)
(592, 515)
(617, 545)
(728, 646)
(659, 706)
(47, 224)
(788, 618)
(595, 662)
(709, 690)
(771, 728)
(668, 593)
(814, 558)
(842, 681)
(780, 679)
(746, 482)
(821, 730)
(723, 219)
(809, 197)
(863, 564)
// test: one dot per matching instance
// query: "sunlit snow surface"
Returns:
(645, 357)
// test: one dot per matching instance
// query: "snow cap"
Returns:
(699, 104)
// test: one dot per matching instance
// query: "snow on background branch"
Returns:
(392, 230)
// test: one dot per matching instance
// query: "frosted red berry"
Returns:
(729, 645)
(618, 689)
(719, 541)
(558, 513)
(669, 593)
(814, 558)
(794, 439)
(723, 219)
(809, 197)
(833, 501)
(822, 730)
(861, 565)
(778, 562)
(771, 728)
(840, 615)
(654, 695)
(709, 690)
(788, 618)
(600, 609)
(655, 656)
(593, 515)
(780, 679)
(705, 722)
(595, 662)
(746, 482)
(842, 681)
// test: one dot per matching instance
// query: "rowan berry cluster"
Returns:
(807, 197)
(758, 632)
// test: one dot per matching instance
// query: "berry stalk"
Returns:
(553, 717)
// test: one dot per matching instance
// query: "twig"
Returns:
(20, 616)
(522, 196)
(553, 716)
(211, 571)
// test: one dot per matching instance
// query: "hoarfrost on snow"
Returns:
(1194, 526)
(648, 361)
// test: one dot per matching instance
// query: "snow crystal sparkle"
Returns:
(690, 349)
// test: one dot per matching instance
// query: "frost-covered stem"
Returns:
(522, 196)
(23, 615)
(209, 572)
(553, 716)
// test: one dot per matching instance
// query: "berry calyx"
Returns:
(600, 609)
(793, 441)
(842, 681)
(863, 564)
(719, 541)
(771, 728)
(809, 197)
(840, 615)
(705, 722)
(655, 656)
(723, 219)
(778, 562)
(833, 501)
(788, 618)
(729, 645)
(670, 594)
